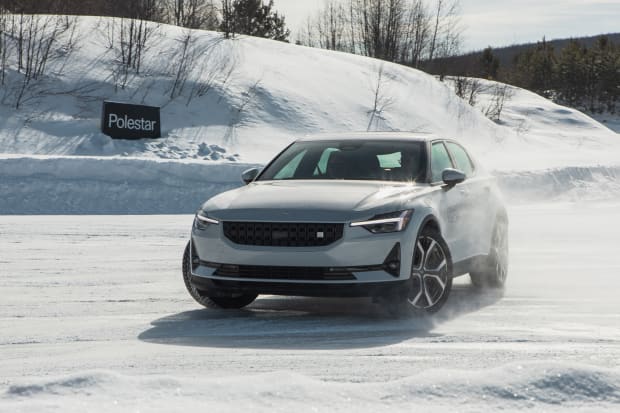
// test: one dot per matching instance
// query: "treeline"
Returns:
(577, 75)
(413, 32)
(251, 17)
(584, 74)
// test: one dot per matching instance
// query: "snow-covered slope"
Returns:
(262, 94)
(539, 134)
(256, 96)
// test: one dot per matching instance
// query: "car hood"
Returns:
(313, 201)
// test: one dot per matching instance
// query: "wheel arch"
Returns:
(429, 221)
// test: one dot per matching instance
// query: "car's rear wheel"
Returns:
(431, 276)
(203, 298)
(494, 271)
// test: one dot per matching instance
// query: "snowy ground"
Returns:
(94, 317)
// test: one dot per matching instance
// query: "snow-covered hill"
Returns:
(262, 94)
(241, 101)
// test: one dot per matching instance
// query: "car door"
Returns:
(449, 201)
(475, 193)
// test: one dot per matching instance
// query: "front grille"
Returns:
(283, 273)
(277, 234)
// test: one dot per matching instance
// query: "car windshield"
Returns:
(384, 160)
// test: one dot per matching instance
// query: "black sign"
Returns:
(123, 121)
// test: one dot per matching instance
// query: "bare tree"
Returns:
(379, 26)
(417, 34)
(446, 32)
(470, 89)
(215, 67)
(200, 63)
(130, 40)
(414, 32)
(467, 89)
(307, 36)
(331, 24)
(500, 95)
(30, 41)
(228, 18)
(238, 111)
(381, 99)
(4, 44)
(184, 62)
(194, 14)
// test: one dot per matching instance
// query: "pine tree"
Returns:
(536, 69)
(572, 74)
(254, 18)
(587, 78)
(607, 67)
(489, 64)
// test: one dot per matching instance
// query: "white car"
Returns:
(391, 216)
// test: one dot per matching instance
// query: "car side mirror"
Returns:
(250, 175)
(452, 177)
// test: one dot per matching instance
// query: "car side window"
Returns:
(463, 161)
(440, 160)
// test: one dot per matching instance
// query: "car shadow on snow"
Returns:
(309, 323)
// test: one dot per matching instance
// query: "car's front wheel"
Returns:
(431, 276)
(203, 298)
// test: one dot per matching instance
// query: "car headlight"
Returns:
(202, 221)
(385, 223)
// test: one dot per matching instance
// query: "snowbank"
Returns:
(594, 183)
(89, 185)
(86, 185)
(537, 386)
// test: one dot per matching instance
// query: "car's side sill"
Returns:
(468, 265)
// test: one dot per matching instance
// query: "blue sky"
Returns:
(502, 22)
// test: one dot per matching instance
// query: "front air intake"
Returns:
(277, 234)
(391, 265)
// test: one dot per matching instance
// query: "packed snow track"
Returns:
(94, 317)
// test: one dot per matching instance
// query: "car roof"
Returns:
(343, 136)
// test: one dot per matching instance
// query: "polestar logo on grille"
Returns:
(279, 235)
(320, 235)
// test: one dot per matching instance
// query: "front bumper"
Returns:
(354, 266)
(227, 288)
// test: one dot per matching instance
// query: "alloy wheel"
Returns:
(499, 252)
(429, 273)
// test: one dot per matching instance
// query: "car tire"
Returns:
(203, 298)
(494, 271)
(431, 277)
